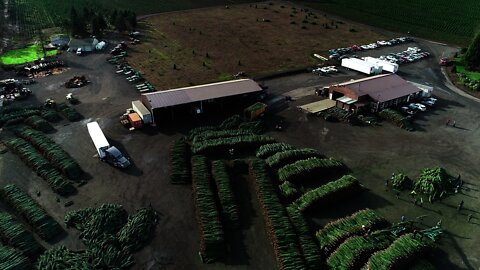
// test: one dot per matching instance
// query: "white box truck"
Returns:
(142, 111)
(361, 66)
(106, 152)
(387, 66)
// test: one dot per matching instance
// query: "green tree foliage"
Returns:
(77, 25)
(472, 57)
(131, 19)
(113, 17)
(120, 22)
(98, 25)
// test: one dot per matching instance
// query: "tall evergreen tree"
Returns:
(472, 57)
(101, 21)
(77, 27)
(132, 20)
(113, 17)
(120, 22)
(96, 29)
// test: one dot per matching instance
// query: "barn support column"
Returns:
(153, 118)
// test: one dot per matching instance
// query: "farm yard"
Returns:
(452, 22)
(217, 191)
(190, 47)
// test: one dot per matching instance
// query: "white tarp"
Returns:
(100, 45)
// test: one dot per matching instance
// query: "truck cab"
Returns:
(113, 156)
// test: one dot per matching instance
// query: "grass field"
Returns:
(24, 55)
(444, 20)
(242, 38)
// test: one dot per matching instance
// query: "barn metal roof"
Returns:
(346, 100)
(190, 94)
(381, 88)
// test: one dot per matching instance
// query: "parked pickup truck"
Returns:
(106, 152)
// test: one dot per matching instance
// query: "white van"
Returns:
(79, 51)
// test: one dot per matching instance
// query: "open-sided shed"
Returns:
(202, 98)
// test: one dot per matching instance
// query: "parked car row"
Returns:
(336, 53)
(412, 54)
(325, 70)
(422, 105)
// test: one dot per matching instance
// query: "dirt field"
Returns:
(371, 153)
(258, 36)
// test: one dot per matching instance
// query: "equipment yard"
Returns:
(277, 186)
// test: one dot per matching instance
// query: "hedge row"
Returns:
(199, 130)
(279, 228)
(355, 251)
(401, 253)
(212, 243)
(397, 118)
(283, 158)
(11, 259)
(52, 151)
(334, 233)
(225, 193)
(215, 134)
(16, 116)
(34, 214)
(180, 162)
(267, 150)
(232, 122)
(222, 145)
(307, 167)
(309, 247)
(14, 234)
(57, 182)
(50, 115)
(341, 187)
(38, 123)
(69, 112)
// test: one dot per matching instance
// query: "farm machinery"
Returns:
(76, 81)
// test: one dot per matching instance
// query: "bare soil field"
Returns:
(254, 38)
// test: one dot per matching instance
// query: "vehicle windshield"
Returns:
(114, 152)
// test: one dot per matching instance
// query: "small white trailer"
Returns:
(142, 111)
(426, 89)
(386, 65)
(361, 66)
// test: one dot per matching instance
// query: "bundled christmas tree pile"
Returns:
(434, 183)
(110, 235)
(401, 182)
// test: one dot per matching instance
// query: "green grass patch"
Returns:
(24, 55)
(224, 77)
(460, 68)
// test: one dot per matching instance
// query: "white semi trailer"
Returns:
(386, 65)
(106, 152)
(361, 66)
